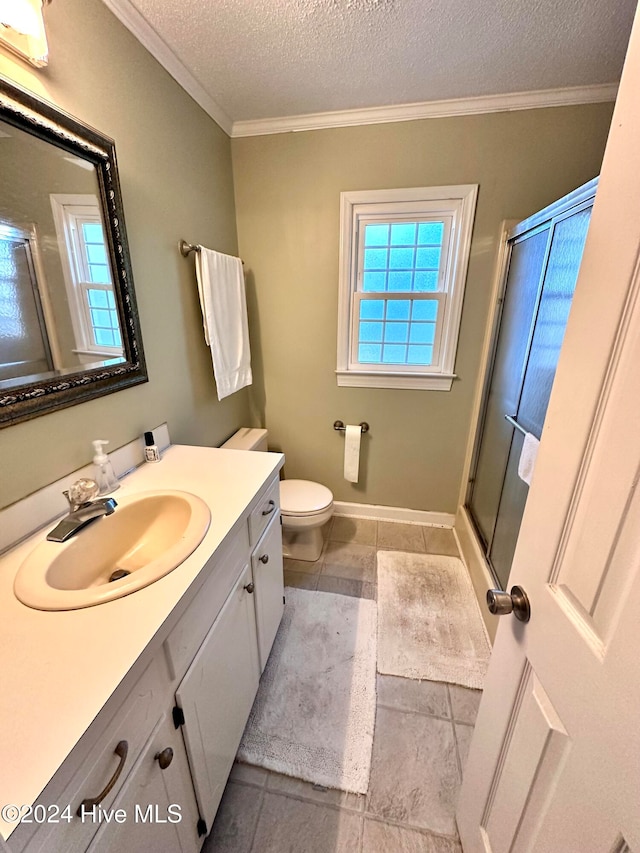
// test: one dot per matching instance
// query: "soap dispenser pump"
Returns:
(103, 472)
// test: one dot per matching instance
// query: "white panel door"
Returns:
(554, 765)
(217, 693)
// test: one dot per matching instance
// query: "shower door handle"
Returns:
(500, 603)
(514, 423)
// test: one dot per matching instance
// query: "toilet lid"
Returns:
(302, 497)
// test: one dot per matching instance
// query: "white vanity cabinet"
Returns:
(183, 716)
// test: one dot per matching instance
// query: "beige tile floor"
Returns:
(422, 735)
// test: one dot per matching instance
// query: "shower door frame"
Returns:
(568, 205)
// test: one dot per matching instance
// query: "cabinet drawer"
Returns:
(158, 802)
(268, 507)
(268, 577)
(186, 638)
(138, 715)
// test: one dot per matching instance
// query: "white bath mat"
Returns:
(429, 623)
(314, 714)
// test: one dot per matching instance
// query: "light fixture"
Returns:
(22, 30)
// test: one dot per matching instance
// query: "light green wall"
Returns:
(175, 172)
(287, 203)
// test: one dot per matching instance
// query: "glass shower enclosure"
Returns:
(544, 254)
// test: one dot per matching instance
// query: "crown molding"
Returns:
(138, 25)
(429, 109)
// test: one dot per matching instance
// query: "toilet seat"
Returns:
(304, 498)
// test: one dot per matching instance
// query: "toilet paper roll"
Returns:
(352, 436)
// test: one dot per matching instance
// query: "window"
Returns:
(403, 265)
(94, 314)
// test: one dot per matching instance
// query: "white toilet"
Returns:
(304, 505)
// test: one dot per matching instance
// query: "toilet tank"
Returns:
(247, 439)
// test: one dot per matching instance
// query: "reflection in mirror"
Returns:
(68, 322)
(58, 310)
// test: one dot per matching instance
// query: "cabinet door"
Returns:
(268, 577)
(158, 806)
(217, 693)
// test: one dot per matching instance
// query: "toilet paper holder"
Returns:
(339, 425)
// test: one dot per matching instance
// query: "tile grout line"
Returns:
(413, 711)
(258, 816)
(363, 813)
(301, 798)
(422, 830)
(455, 736)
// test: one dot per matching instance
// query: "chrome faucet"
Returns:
(83, 509)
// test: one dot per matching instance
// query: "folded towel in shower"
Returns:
(224, 313)
(528, 456)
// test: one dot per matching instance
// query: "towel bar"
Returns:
(186, 249)
(338, 425)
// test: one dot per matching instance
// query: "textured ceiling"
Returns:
(270, 58)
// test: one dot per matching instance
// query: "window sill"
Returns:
(100, 353)
(422, 381)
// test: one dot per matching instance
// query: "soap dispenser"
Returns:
(103, 472)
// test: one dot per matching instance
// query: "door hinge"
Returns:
(284, 600)
(280, 521)
(178, 717)
(202, 827)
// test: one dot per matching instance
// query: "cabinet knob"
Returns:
(264, 559)
(249, 587)
(164, 758)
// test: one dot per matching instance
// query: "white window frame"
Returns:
(453, 205)
(69, 212)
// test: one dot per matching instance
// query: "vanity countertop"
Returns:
(58, 669)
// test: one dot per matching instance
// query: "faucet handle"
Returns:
(81, 492)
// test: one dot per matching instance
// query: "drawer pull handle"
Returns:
(249, 587)
(164, 758)
(121, 751)
(264, 559)
(272, 506)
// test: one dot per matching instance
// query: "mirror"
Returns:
(69, 327)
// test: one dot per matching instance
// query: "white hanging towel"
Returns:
(224, 313)
(528, 456)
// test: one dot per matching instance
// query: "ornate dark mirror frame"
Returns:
(27, 112)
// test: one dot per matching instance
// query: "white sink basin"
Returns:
(148, 535)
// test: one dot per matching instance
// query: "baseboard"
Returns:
(393, 513)
(477, 566)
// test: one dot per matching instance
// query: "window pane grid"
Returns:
(104, 318)
(401, 257)
(398, 248)
(397, 331)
